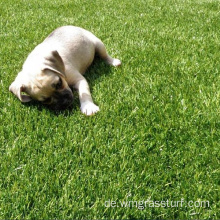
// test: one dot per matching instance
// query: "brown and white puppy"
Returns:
(56, 65)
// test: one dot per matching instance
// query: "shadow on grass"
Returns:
(41, 107)
(97, 70)
(92, 75)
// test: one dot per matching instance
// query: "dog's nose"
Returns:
(62, 100)
(66, 99)
(67, 95)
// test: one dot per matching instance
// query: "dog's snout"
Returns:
(68, 96)
(62, 100)
(66, 99)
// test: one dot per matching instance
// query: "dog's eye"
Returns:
(58, 85)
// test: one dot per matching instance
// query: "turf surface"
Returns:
(157, 135)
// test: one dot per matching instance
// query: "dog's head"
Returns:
(44, 81)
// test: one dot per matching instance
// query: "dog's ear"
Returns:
(54, 63)
(18, 88)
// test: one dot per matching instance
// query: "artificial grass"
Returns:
(157, 134)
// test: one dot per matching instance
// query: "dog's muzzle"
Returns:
(62, 100)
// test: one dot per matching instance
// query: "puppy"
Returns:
(58, 64)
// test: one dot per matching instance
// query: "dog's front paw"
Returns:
(89, 108)
(116, 62)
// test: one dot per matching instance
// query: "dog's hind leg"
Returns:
(101, 51)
